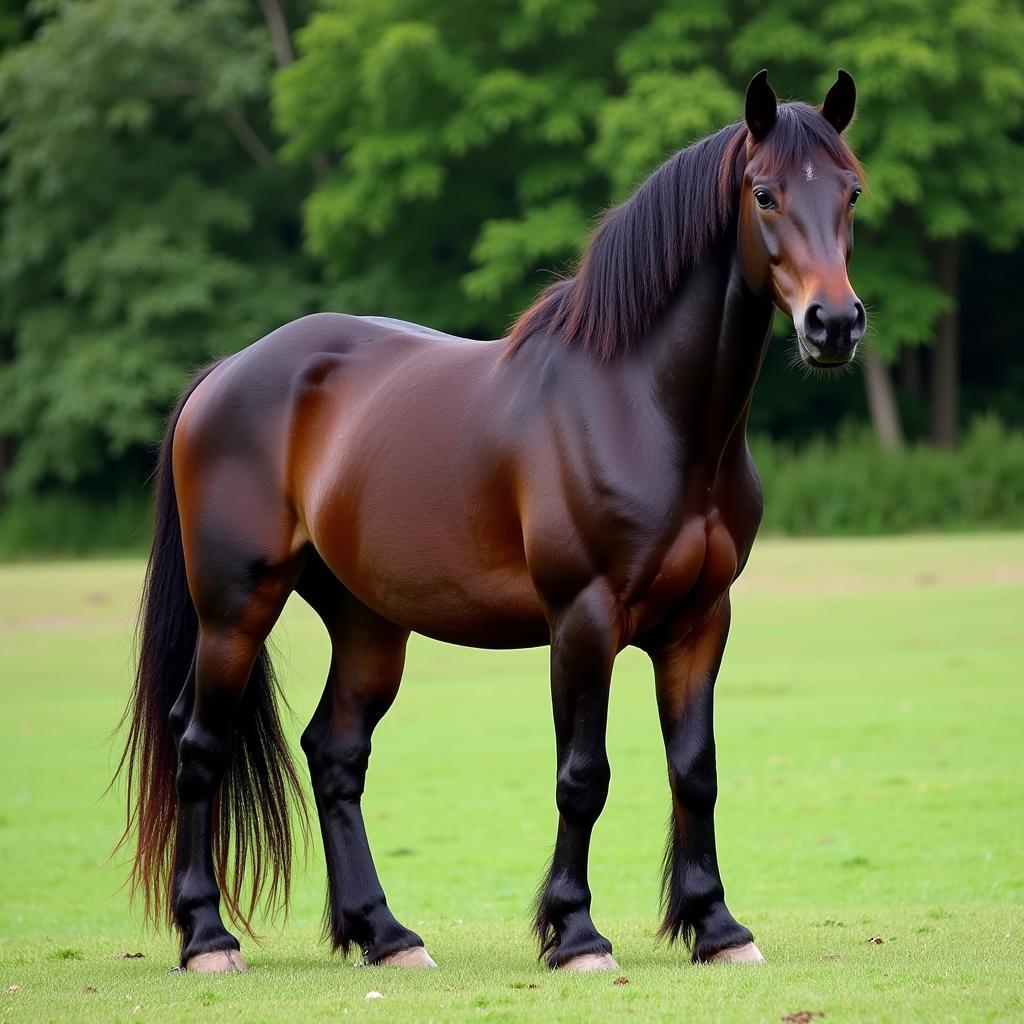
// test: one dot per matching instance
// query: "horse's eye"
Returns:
(764, 199)
(854, 197)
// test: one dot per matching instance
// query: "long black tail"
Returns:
(252, 839)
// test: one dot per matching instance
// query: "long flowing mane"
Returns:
(640, 252)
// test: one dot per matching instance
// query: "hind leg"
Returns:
(234, 623)
(368, 655)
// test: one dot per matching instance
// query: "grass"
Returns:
(870, 716)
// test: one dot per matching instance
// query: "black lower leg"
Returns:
(694, 895)
(580, 675)
(207, 702)
(357, 906)
(195, 896)
(357, 911)
(562, 922)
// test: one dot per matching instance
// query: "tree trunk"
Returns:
(885, 413)
(277, 26)
(945, 378)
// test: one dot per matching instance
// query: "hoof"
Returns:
(747, 954)
(415, 956)
(591, 962)
(221, 961)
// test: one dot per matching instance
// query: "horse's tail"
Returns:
(252, 805)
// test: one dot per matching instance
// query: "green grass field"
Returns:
(870, 720)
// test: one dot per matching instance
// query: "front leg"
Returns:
(685, 671)
(583, 646)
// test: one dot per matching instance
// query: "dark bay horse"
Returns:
(584, 483)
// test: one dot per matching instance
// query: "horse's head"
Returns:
(800, 185)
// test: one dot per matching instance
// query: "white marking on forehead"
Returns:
(808, 172)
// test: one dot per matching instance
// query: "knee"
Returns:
(582, 788)
(337, 766)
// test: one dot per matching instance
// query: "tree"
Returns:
(14, 23)
(147, 223)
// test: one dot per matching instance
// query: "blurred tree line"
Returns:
(177, 178)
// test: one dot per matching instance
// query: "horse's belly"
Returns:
(502, 618)
(430, 555)
(428, 595)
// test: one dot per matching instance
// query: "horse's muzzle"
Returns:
(828, 336)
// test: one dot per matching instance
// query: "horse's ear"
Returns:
(840, 102)
(761, 107)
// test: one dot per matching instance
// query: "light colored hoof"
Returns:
(591, 962)
(221, 961)
(748, 954)
(415, 956)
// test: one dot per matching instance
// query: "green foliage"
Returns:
(13, 23)
(69, 525)
(145, 229)
(850, 486)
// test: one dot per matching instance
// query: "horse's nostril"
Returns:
(815, 328)
(860, 322)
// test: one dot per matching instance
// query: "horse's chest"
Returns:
(692, 573)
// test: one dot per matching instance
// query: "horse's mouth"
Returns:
(820, 362)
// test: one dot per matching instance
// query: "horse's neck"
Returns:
(704, 356)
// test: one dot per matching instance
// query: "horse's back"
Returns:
(407, 327)
(248, 392)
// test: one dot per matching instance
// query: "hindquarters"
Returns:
(208, 769)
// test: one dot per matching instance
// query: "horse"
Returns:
(584, 483)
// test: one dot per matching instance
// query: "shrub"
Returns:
(851, 486)
(64, 525)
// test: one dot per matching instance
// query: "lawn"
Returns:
(870, 720)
